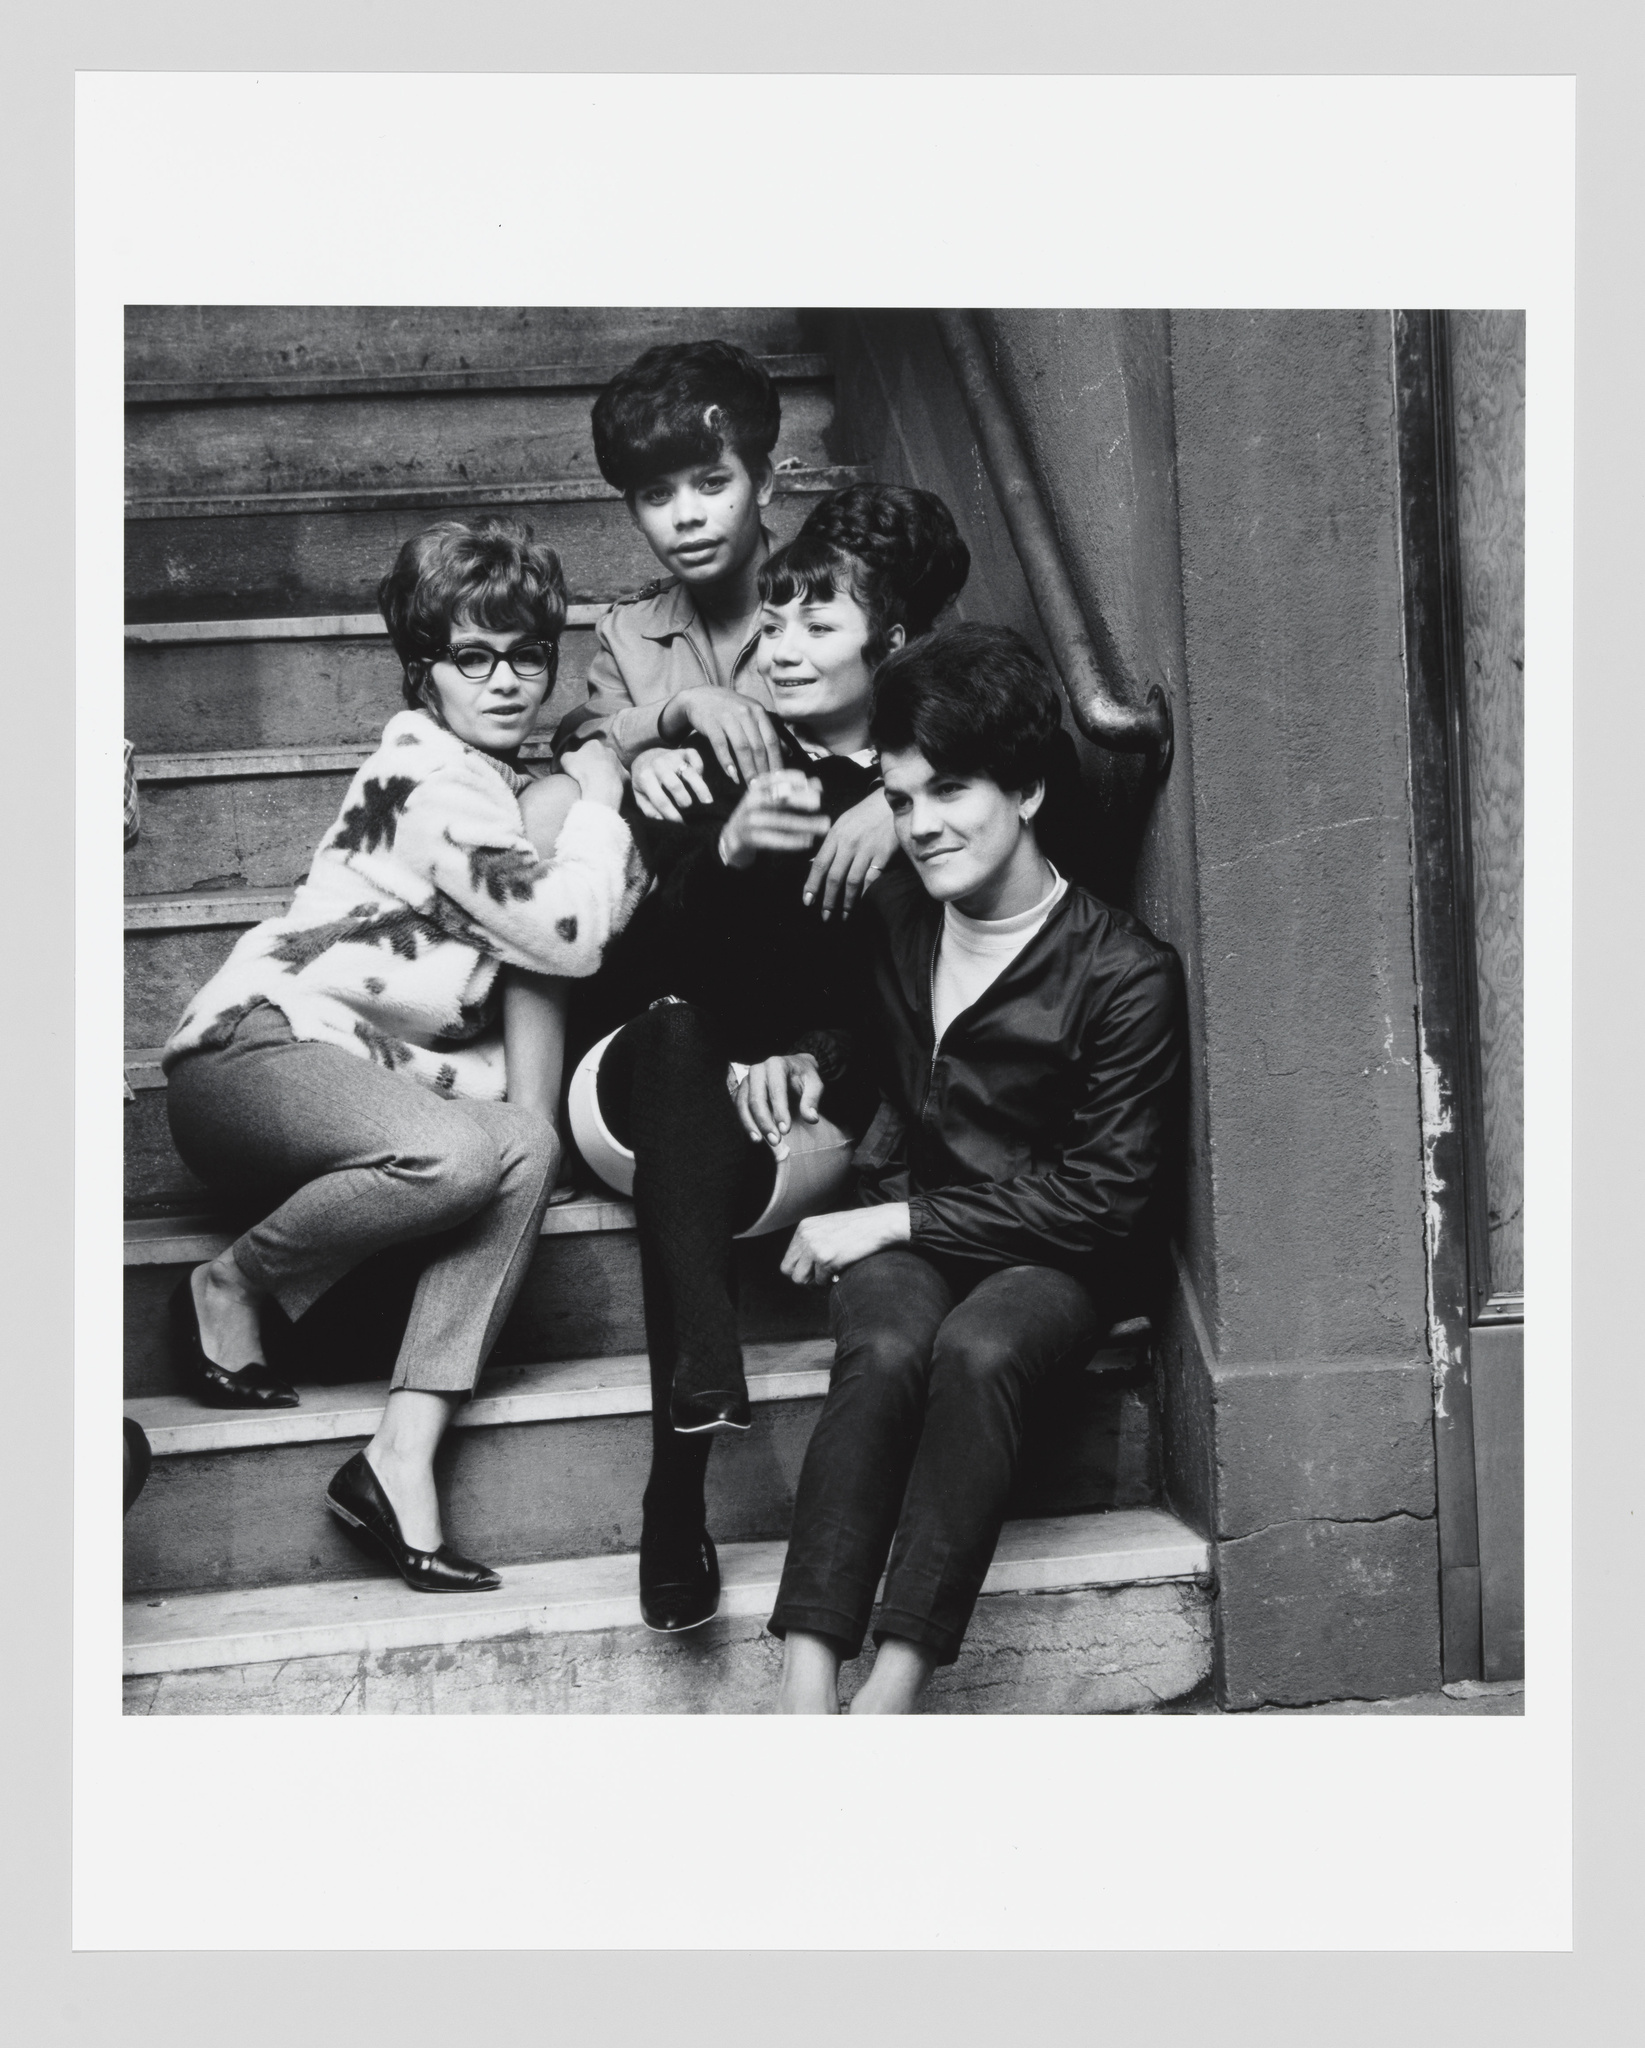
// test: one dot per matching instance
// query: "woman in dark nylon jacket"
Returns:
(1015, 1180)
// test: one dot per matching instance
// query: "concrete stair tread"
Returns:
(570, 376)
(197, 1631)
(312, 626)
(535, 491)
(241, 763)
(184, 1240)
(619, 1384)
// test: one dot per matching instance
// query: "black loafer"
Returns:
(253, 1386)
(680, 1591)
(719, 1408)
(360, 1504)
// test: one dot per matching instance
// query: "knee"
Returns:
(889, 1362)
(528, 1153)
(466, 1173)
(972, 1362)
(545, 803)
(676, 1035)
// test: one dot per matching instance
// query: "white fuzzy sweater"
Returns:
(421, 891)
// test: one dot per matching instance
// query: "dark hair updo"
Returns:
(681, 404)
(895, 550)
(974, 700)
(494, 574)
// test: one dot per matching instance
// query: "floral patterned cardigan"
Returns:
(422, 890)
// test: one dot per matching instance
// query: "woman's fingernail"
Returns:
(806, 899)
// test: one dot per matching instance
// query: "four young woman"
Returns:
(347, 1078)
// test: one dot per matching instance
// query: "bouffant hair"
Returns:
(974, 700)
(895, 550)
(493, 573)
(681, 404)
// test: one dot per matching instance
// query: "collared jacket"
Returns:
(647, 648)
(1044, 1129)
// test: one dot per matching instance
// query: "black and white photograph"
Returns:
(823, 1010)
(839, 974)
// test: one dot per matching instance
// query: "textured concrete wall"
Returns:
(1292, 608)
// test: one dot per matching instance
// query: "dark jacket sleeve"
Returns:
(1091, 1203)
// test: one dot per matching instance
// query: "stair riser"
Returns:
(155, 1177)
(200, 696)
(581, 1299)
(192, 343)
(567, 1489)
(394, 443)
(274, 565)
(256, 832)
(163, 971)
(1103, 1650)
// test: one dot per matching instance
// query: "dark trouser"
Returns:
(345, 1160)
(918, 1439)
(698, 1180)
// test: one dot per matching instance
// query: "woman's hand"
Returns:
(668, 780)
(597, 772)
(739, 730)
(763, 1095)
(782, 813)
(823, 1246)
(859, 844)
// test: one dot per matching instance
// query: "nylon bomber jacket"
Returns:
(1044, 1129)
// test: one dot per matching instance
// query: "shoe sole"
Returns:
(686, 1629)
(353, 1522)
(713, 1429)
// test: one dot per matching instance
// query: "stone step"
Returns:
(803, 367)
(550, 1460)
(391, 434)
(1086, 1614)
(328, 681)
(581, 1298)
(191, 345)
(245, 817)
(260, 557)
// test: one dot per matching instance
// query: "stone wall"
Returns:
(1225, 490)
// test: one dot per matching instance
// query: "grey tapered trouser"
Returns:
(350, 1159)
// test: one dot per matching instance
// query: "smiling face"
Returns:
(811, 658)
(495, 715)
(703, 522)
(971, 843)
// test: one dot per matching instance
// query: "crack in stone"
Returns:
(1326, 1522)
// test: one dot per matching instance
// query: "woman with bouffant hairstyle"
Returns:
(342, 1076)
(728, 1057)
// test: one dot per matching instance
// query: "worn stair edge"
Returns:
(563, 1390)
(200, 1631)
(237, 764)
(544, 491)
(187, 1240)
(190, 910)
(313, 626)
(573, 376)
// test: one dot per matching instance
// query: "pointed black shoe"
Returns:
(357, 1499)
(680, 1591)
(253, 1386)
(720, 1408)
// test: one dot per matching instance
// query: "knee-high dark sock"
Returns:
(697, 1181)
